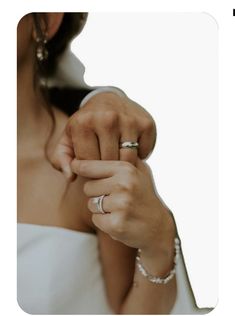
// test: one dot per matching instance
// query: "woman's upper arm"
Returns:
(118, 262)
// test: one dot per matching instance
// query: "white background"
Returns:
(10, 13)
(168, 63)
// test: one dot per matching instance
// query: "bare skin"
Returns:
(45, 198)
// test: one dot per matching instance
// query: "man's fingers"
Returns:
(129, 154)
(109, 145)
(62, 156)
(85, 143)
(107, 131)
(147, 140)
(129, 134)
(65, 162)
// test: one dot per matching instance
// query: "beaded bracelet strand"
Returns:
(156, 279)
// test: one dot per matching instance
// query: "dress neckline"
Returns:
(56, 229)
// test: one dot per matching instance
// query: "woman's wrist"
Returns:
(158, 255)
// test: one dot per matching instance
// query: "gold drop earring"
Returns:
(41, 50)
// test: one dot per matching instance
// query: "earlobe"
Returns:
(54, 21)
(39, 26)
(49, 24)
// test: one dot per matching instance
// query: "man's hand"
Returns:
(95, 131)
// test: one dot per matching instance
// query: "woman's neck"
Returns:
(33, 120)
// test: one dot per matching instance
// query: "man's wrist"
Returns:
(98, 90)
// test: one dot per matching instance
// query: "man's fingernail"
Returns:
(67, 172)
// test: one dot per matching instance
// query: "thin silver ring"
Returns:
(129, 145)
(98, 201)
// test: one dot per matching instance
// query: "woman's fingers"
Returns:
(103, 221)
(99, 187)
(98, 169)
(111, 203)
(115, 224)
(108, 204)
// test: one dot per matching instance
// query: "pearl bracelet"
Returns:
(155, 279)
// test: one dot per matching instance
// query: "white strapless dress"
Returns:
(59, 272)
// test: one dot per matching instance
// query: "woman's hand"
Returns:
(135, 215)
(95, 131)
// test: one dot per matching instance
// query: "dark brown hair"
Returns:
(66, 98)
